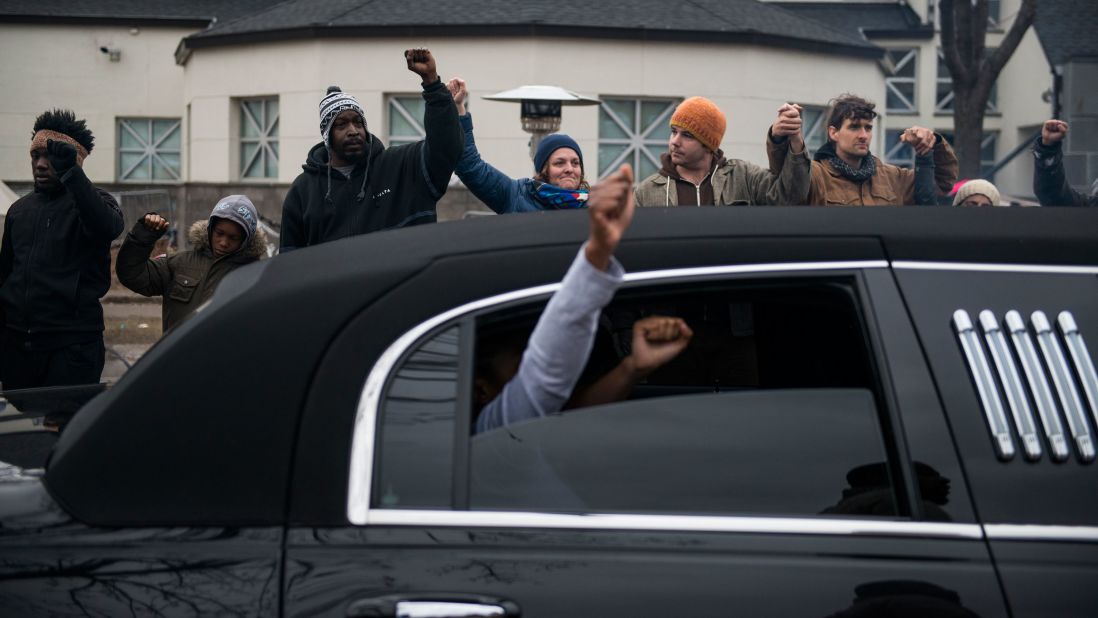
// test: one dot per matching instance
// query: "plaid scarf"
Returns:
(555, 198)
(862, 174)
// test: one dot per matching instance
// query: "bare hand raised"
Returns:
(422, 63)
(657, 340)
(610, 208)
(920, 138)
(154, 222)
(1053, 131)
(457, 90)
(788, 122)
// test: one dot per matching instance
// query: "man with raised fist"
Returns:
(353, 184)
(1050, 183)
(55, 263)
(694, 171)
(516, 380)
(845, 172)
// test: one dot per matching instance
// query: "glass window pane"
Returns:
(273, 131)
(415, 448)
(399, 125)
(271, 170)
(901, 96)
(626, 111)
(133, 134)
(166, 133)
(645, 167)
(247, 152)
(651, 112)
(659, 135)
(608, 153)
(166, 167)
(271, 119)
(608, 129)
(415, 106)
(128, 160)
(897, 152)
(705, 453)
(250, 117)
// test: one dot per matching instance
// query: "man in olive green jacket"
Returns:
(227, 241)
(694, 171)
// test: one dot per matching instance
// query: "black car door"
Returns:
(1008, 350)
(794, 462)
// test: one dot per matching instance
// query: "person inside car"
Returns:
(558, 181)
(512, 385)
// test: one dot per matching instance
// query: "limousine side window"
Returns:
(772, 409)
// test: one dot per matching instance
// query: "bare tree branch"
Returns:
(1022, 21)
(950, 53)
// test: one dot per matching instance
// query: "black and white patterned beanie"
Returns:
(334, 103)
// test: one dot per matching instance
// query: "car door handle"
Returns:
(425, 605)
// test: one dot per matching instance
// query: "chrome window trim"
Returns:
(987, 267)
(1065, 385)
(362, 440)
(1019, 532)
(672, 523)
(1084, 364)
(1012, 385)
(985, 384)
(1038, 385)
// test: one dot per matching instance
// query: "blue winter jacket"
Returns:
(499, 191)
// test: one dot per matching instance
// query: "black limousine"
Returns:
(882, 412)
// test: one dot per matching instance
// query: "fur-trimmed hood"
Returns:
(200, 240)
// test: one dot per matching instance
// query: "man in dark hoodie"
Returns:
(353, 185)
(55, 263)
(220, 245)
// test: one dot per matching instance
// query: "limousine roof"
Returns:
(137, 456)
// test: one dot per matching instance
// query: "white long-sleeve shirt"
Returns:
(558, 347)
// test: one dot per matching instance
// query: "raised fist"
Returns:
(610, 209)
(920, 138)
(657, 340)
(457, 90)
(422, 63)
(62, 156)
(154, 222)
(1052, 131)
(788, 122)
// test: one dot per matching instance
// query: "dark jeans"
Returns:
(25, 365)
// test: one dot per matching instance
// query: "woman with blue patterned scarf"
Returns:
(558, 183)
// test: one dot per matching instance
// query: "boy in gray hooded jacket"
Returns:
(228, 240)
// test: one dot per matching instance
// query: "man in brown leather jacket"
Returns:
(845, 173)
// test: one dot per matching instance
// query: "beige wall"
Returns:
(748, 83)
(43, 67)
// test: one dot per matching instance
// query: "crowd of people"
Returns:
(55, 252)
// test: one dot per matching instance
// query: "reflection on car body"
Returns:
(821, 449)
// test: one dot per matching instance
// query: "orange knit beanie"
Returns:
(703, 119)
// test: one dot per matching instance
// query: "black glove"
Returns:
(62, 156)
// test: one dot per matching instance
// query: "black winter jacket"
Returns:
(55, 260)
(403, 183)
(1050, 183)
